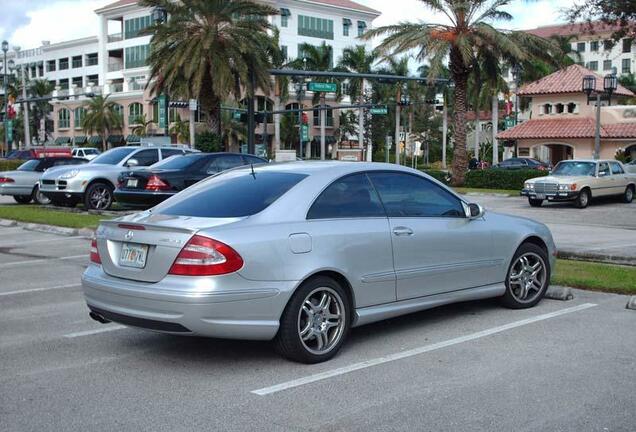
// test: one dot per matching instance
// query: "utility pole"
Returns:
(495, 126)
(323, 125)
(251, 126)
(194, 105)
(397, 132)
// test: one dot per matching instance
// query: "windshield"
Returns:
(572, 168)
(90, 151)
(30, 165)
(177, 162)
(232, 194)
(114, 156)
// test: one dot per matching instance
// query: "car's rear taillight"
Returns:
(6, 180)
(156, 184)
(203, 256)
(95, 253)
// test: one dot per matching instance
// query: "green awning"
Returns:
(346, 21)
(62, 140)
(115, 139)
(80, 140)
(95, 140)
(285, 12)
(130, 139)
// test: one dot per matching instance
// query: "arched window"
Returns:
(547, 108)
(119, 109)
(265, 104)
(329, 119)
(571, 108)
(135, 110)
(80, 114)
(64, 117)
(559, 108)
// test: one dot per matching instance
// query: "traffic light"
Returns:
(258, 118)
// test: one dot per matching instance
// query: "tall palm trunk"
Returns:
(398, 114)
(495, 120)
(460, 159)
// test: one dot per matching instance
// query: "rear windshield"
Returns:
(232, 194)
(114, 156)
(31, 165)
(178, 162)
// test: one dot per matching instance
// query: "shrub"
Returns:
(438, 175)
(208, 142)
(500, 178)
(10, 165)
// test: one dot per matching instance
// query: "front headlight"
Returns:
(70, 174)
(565, 187)
(529, 185)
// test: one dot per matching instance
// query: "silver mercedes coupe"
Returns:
(301, 252)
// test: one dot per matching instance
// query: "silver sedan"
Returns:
(303, 251)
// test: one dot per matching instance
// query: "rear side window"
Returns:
(146, 157)
(233, 194)
(616, 168)
(253, 160)
(352, 196)
(222, 163)
(166, 153)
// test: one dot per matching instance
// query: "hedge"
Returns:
(10, 165)
(500, 178)
(438, 175)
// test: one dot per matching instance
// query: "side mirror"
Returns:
(132, 163)
(475, 211)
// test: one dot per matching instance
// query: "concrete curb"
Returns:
(596, 257)
(559, 293)
(631, 303)
(50, 229)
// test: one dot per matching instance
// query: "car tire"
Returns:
(583, 200)
(39, 197)
(22, 199)
(535, 202)
(315, 322)
(527, 278)
(98, 196)
(628, 196)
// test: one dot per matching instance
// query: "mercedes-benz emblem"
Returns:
(129, 235)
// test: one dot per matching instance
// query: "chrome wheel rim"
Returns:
(100, 197)
(527, 277)
(629, 194)
(321, 320)
(584, 198)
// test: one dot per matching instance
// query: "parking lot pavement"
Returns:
(606, 227)
(562, 366)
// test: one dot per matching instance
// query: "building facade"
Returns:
(114, 63)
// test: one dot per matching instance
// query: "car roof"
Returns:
(590, 160)
(329, 168)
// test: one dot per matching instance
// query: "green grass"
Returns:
(509, 192)
(595, 276)
(37, 214)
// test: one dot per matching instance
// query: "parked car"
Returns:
(580, 181)
(22, 183)
(88, 153)
(39, 152)
(523, 163)
(94, 183)
(149, 187)
(301, 252)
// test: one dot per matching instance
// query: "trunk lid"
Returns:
(159, 238)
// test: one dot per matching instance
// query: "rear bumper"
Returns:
(141, 198)
(558, 196)
(228, 307)
(9, 189)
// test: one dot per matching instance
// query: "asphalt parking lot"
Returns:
(562, 366)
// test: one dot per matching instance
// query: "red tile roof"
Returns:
(568, 80)
(348, 4)
(566, 128)
(572, 29)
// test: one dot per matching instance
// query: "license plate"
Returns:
(132, 183)
(133, 255)
(540, 196)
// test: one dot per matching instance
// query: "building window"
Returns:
(135, 110)
(362, 27)
(91, 59)
(547, 108)
(627, 45)
(80, 113)
(134, 26)
(607, 65)
(346, 25)
(571, 108)
(608, 45)
(136, 56)
(329, 117)
(593, 65)
(64, 64)
(137, 83)
(64, 84)
(284, 17)
(315, 27)
(283, 50)
(64, 119)
(94, 79)
(580, 47)
(626, 66)
(559, 108)
(594, 46)
(119, 109)
(78, 82)
(50, 66)
(77, 62)
(265, 104)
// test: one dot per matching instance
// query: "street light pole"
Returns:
(610, 83)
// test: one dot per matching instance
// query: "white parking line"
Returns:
(416, 351)
(34, 261)
(59, 238)
(96, 331)
(32, 290)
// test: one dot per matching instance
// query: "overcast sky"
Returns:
(26, 23)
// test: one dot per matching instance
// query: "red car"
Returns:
(39, 152)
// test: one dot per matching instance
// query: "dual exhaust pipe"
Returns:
(97, 317)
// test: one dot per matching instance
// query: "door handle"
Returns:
(402, 231)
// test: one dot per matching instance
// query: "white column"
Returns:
(444, 133)
(477, 126)
(397, 133)
(495, 126)
(102, 54)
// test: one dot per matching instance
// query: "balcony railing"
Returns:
(117, 87)
(114, 67)
(115, 37)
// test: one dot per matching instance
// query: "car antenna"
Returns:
(253, 173)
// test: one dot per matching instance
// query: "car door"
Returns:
(619, 179)
(604, 182)
(349, 230)
(436, 248)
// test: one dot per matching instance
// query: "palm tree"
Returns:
(181, 129)
(209, 50)
(468, 27)
(102, 117)
(346, 124)
(142, 126)
(40, 110)
(358, 60)
(289, 130)
(564, 43)
(233, 131)
(397, 66)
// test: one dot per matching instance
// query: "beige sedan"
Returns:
(580, 181)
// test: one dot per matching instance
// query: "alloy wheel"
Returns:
(100, 197)
(527, 277)
(321, 320)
